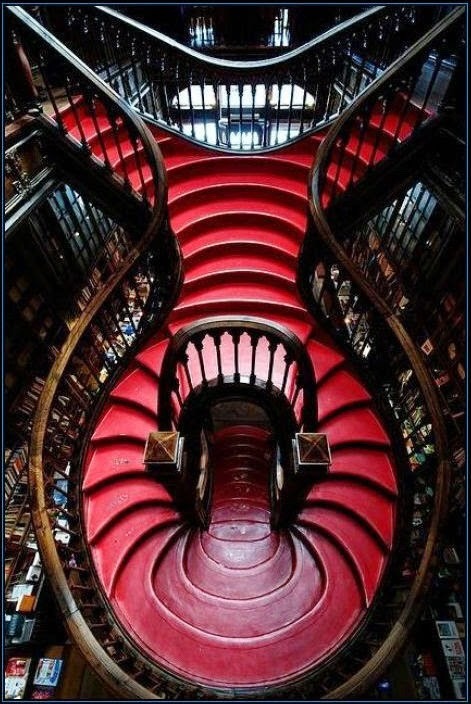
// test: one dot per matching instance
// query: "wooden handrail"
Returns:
(335, 32)
(241, 105)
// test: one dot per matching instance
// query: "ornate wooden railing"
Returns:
(238, 105)
(220, 352)
(69, 94)
(374, 333)
(243, 358)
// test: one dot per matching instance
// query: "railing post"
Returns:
(19, 76)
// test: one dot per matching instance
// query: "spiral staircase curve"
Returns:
(240, 607)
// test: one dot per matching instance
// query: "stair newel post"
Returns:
(19, 75)
(272, 347)
(170, 459)
(254, 340)
(253, 90)
(216, 336)
(236, 335)
(202, 85)
(198, 344)
(183, 359)
(309, 413)
(288, 360)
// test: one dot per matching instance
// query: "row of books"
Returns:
(25, 404)
(21, 676)
(17, 520)
(450, 634)
(15, 464)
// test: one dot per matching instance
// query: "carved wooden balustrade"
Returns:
(239, 105)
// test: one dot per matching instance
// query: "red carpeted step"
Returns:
(150, 358)
(188, 178)
(367, 554)
(366, 463)
(262, 228)
(358, 425)
(232, 256)
(139, 386)
(112, 460)
(115, 546)
(124, 421)
(233, 198)
(366, 504)
(240, 285)
(119, 497)
(337, 391)
(324, 358)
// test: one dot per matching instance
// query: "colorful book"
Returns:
(16, 677)
(48, 672)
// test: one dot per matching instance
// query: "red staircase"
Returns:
(240, 605)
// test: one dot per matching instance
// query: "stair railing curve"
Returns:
(94, 352)
(322, 294)
(240, 105)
